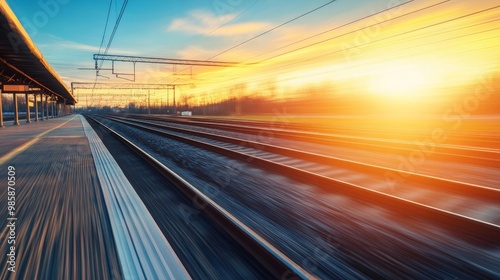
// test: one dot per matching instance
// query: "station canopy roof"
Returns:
(22, 63)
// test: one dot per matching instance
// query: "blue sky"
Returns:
(352, 56)
(68, 32)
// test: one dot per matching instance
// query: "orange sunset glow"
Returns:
(250, 139)
(416, 51)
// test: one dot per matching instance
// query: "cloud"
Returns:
(202, 22)
(83, 47)
(60, 44)
(202, 53)
(195, 52)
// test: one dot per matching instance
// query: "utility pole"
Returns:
(149, 102)
(175, 109)
(28, 119)
(1, 112)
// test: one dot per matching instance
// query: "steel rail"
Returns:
(274, 260)
(477, 230)
(434, 182)
(488, 157)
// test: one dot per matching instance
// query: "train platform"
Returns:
(69, 212)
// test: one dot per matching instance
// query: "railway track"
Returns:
(348, 239)
(458, 205)
(446, 152)
(277, 264)
(353, 126)
(482, 140)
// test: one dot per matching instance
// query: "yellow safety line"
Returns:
(28, 144)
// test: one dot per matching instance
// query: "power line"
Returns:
(118, 20)
(410, 32)
(354, 31)
(331, 71)
(270, 30)
(103, 37)
(401, 34)
(274, 28)
(355, 66)
(106, 25)
(112, 34)
(434, 62)
(405, 33)
(226, 23)
(341, 26)
(117, 23)
(236, 17)
(371, 42)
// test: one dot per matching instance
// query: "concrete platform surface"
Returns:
(12, 137)
(62, 230)
(67, 211)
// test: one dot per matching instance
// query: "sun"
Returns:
(401, 81)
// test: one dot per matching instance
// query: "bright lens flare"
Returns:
(401, 81)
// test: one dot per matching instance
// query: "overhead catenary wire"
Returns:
(391, 37)
(400, 34)
(226, 23)
(338, 37)
(105, 26)
(368, 43)
(414, 35)
(102, 40)
(234, 18)
(272, 29)
(269, 30)
(347, 33)
(346, 25)
(117, 23)
(113, 33)
(351, 67)
(342, 26)
(118, 20)
(402, 50)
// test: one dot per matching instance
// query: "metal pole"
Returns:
(47, 107)
(16, 114)
(41, 106)
(149, 102)
(175, 109)
(1, 111)
(36, 107)
(52, 105)
(28, 117)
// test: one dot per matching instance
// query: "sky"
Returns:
(380, 46)
(69, 32)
